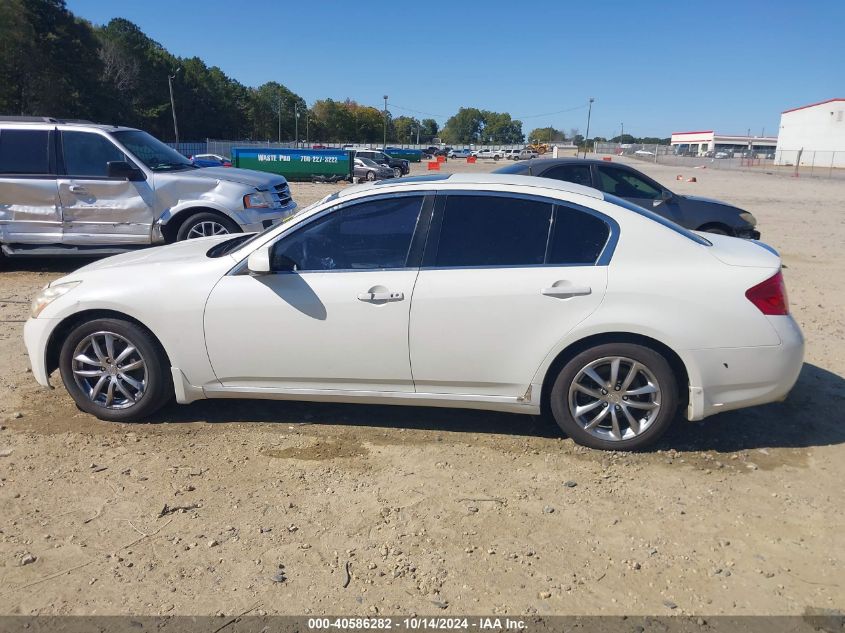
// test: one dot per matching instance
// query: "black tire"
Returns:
(197, 220)
(371, 175)
(653, 362)
(397, 172)
(716, 230)
(158, 383)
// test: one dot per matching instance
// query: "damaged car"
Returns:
(79, 188)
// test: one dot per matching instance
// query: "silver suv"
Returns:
(74, 187)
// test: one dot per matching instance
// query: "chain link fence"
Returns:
(809, 163)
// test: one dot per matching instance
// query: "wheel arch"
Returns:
(66, 325)
(716, 225)
(174, 219)
(677, 364)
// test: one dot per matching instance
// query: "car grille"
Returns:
(282, 193)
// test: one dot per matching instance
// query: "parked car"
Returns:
(602, 312)
(495, 154)
(399, 166)
(724, 154)
(526, 154)
(511, 154)
(691, 212)
(366, 169)
(459, 153)
(211, 160)
(77, 188)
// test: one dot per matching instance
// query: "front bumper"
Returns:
(748, 234)
(36, 335)
(734, 378)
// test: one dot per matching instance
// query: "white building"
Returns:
(711, 143)
(818, 129)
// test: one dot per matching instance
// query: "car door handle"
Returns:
(381, 296)
(77, 189)
(565, 290)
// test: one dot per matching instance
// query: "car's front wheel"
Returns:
(205, 225)
(371, 175)
(616, 396)
(397, 172)
(115, 370)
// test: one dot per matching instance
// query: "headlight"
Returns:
(748, 217)
(258, 200)
(49, 294)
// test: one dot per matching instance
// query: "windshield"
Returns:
(659, 219)
(152, 152)
(368, 162)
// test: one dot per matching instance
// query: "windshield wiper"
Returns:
(166, 165)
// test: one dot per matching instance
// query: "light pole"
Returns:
(307, 121)
(296, 125)
(622, 133)
(170, 79)
(384, 146)
(589, 113)
(280, 118)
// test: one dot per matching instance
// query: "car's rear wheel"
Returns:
(371, 175)
(115, 370)
(205, 225)
(616, 396)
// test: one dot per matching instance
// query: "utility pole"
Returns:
(307, 121)
(622, 133)
(170, 79)
(280, 118)
(589, 114)
(418, 133)
(384, 147)
(296, 124)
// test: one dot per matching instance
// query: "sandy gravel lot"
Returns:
(437, 511)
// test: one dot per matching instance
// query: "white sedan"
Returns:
(495, 154)
(487, 291)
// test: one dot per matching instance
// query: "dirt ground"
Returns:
(395, 510)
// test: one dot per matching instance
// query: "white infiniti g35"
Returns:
(496, 292)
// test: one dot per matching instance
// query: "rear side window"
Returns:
(493, 231)
(88, 154)
(577, 237)
(25, 152)
(579, 174)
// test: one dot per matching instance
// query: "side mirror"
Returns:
(258, 262)
(124, 169)
(666, 195)
(261, 262)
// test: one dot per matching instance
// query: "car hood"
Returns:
(257, 179)
(178, 252)
(708, 201)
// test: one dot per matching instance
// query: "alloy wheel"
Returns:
(615, 398)
(109, 370)
(207, 228)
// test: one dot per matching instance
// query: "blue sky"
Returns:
(657, 67)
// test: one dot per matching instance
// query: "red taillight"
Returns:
(770, 296)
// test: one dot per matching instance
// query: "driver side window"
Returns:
(368, 236)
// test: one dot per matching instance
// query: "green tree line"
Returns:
(55, 64)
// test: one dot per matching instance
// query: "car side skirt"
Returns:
(528, 404)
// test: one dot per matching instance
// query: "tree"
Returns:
(405, 129)
(546, 135)
(49, 61)
(429, 130)
(464, 126)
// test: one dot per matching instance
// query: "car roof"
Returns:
(546, 163)
(49, 121)
(478, 179)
